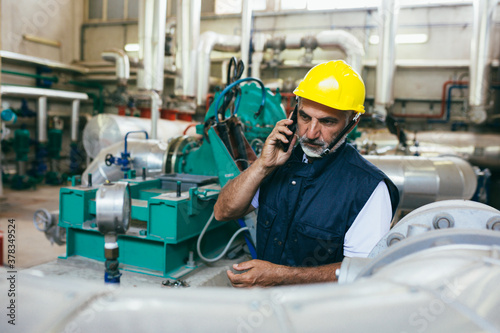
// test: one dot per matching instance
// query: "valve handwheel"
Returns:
(109, 159)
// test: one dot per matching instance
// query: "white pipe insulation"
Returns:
(387, 26)
(346, 42)
(480, 59)
(246, 34)
(210, 41)
(122, 64)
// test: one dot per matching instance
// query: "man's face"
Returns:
(318, 125)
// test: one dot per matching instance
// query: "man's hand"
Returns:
(258, 273)
(272, 154)
(265, 274)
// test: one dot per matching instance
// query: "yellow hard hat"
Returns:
(334, 84)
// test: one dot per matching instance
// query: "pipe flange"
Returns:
(493, 223)
(113, 208)
(443, 221)
(394, 238)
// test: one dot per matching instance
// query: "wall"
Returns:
(52, 19)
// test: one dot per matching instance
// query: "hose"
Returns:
(229, 87)
(198, 243)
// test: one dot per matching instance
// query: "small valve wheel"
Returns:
(109, 159)
(42, 219)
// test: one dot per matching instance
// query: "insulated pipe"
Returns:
(246, 32)
(42, 119)
(188, 33)
(422, 180)
(75, 119)
(387, 26)
(259, 43)
(122, 64)
(152, 18)
(345, 41)
(211, 41)
(480, 59)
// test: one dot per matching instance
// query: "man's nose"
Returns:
(313, 130)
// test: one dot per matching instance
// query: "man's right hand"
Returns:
(272, 154)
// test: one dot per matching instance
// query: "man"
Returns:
(318, 201)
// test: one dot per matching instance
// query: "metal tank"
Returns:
(149, 154)
(422, 180)
(106, 129)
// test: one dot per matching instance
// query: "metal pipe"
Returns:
(152, 18)
(188, 34)
(246, 32)
(38, 92)
(209, 41)
(33, 76)
(259, 42)
(387, 26)
(480, 59)
(347, 42)
(122, 64)
(42, 119)
(75, 120)
(422, 180)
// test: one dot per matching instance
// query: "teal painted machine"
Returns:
(169, 211)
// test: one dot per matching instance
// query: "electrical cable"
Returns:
(198, 243)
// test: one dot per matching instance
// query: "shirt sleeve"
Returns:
(371, 224)
(255, 200)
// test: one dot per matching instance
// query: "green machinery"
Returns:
(167, 212)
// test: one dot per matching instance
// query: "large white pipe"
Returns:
(122, 64)
(423, 180)
(106, 129)
(42, 119)
(210, 41)
(347, 43)
(188, 34)
(37, 92)
(152, 19)
(259, 42)
(480, 60)
(246, 32)
(387, 26)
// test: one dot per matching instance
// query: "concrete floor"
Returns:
(36, 256)
(32, 248)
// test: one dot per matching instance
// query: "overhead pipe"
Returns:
(259, 42)
(388, 17)
(480, 60)
(347, 42)
(75, 119)
(122, 64)
(210, 41)
(246, 33)
(152, 20)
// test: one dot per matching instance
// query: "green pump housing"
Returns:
(251, 97)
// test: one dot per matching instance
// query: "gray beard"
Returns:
(316, 153)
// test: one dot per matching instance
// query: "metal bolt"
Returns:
(443, 221)
(493, 223)
(394, 238)
(179, 188)
(294, 182)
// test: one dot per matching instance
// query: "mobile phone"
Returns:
(292, 127)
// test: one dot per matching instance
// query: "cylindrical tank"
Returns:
(106, 129)
(422, 180)
(149, 154)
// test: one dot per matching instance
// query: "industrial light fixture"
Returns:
(404, 39)
(134, 47)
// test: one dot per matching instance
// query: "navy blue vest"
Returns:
(305, 209)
